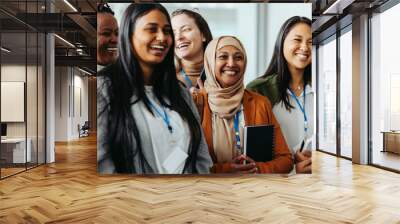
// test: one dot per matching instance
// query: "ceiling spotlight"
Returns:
(70, 5)
(337, 7)
(84, 71)
(64, 40)
(5, 50)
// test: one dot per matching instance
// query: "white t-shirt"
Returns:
(169, 148)
(292, 123)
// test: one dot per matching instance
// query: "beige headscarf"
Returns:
(223, 102)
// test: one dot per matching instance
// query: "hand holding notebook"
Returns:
(243, 164)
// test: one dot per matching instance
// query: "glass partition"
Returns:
(327, 96)
(22, 88)
(13, 108)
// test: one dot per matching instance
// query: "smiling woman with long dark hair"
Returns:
(287, 83)
(147, 122)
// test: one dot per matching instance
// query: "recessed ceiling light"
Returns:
(84, 71)
(64, 40)
(70, 5)
(5, 50)
(337, 7)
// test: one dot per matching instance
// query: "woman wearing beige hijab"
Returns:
(224, 100)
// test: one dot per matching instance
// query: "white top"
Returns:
(170, 149)
(292, 123)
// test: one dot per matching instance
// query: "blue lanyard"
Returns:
(302, 108)
(164, 116)
(187, 79)
(236, 126)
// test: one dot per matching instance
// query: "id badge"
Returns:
(175, 160)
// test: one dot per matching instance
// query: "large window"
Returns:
(385, 89)
(335, 73)
(327, 96)
(346, 93)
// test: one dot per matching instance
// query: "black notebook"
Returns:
(259, 142)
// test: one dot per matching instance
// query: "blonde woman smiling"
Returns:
(192, 36)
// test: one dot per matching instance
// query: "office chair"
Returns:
(84, 130)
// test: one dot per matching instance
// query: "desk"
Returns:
(391, 141)
(15, 148)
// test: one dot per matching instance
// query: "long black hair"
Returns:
(278, 64)
(127, 80)
(202, 24)
(104, 8)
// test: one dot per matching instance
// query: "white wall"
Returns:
(79, 117)
(70, 84)
(276, 15)
(12, 101)
(247, 24)
(61, 103)
(13, 72)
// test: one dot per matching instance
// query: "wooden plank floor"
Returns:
(388, 159)
(70, 191)
(10, 171)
